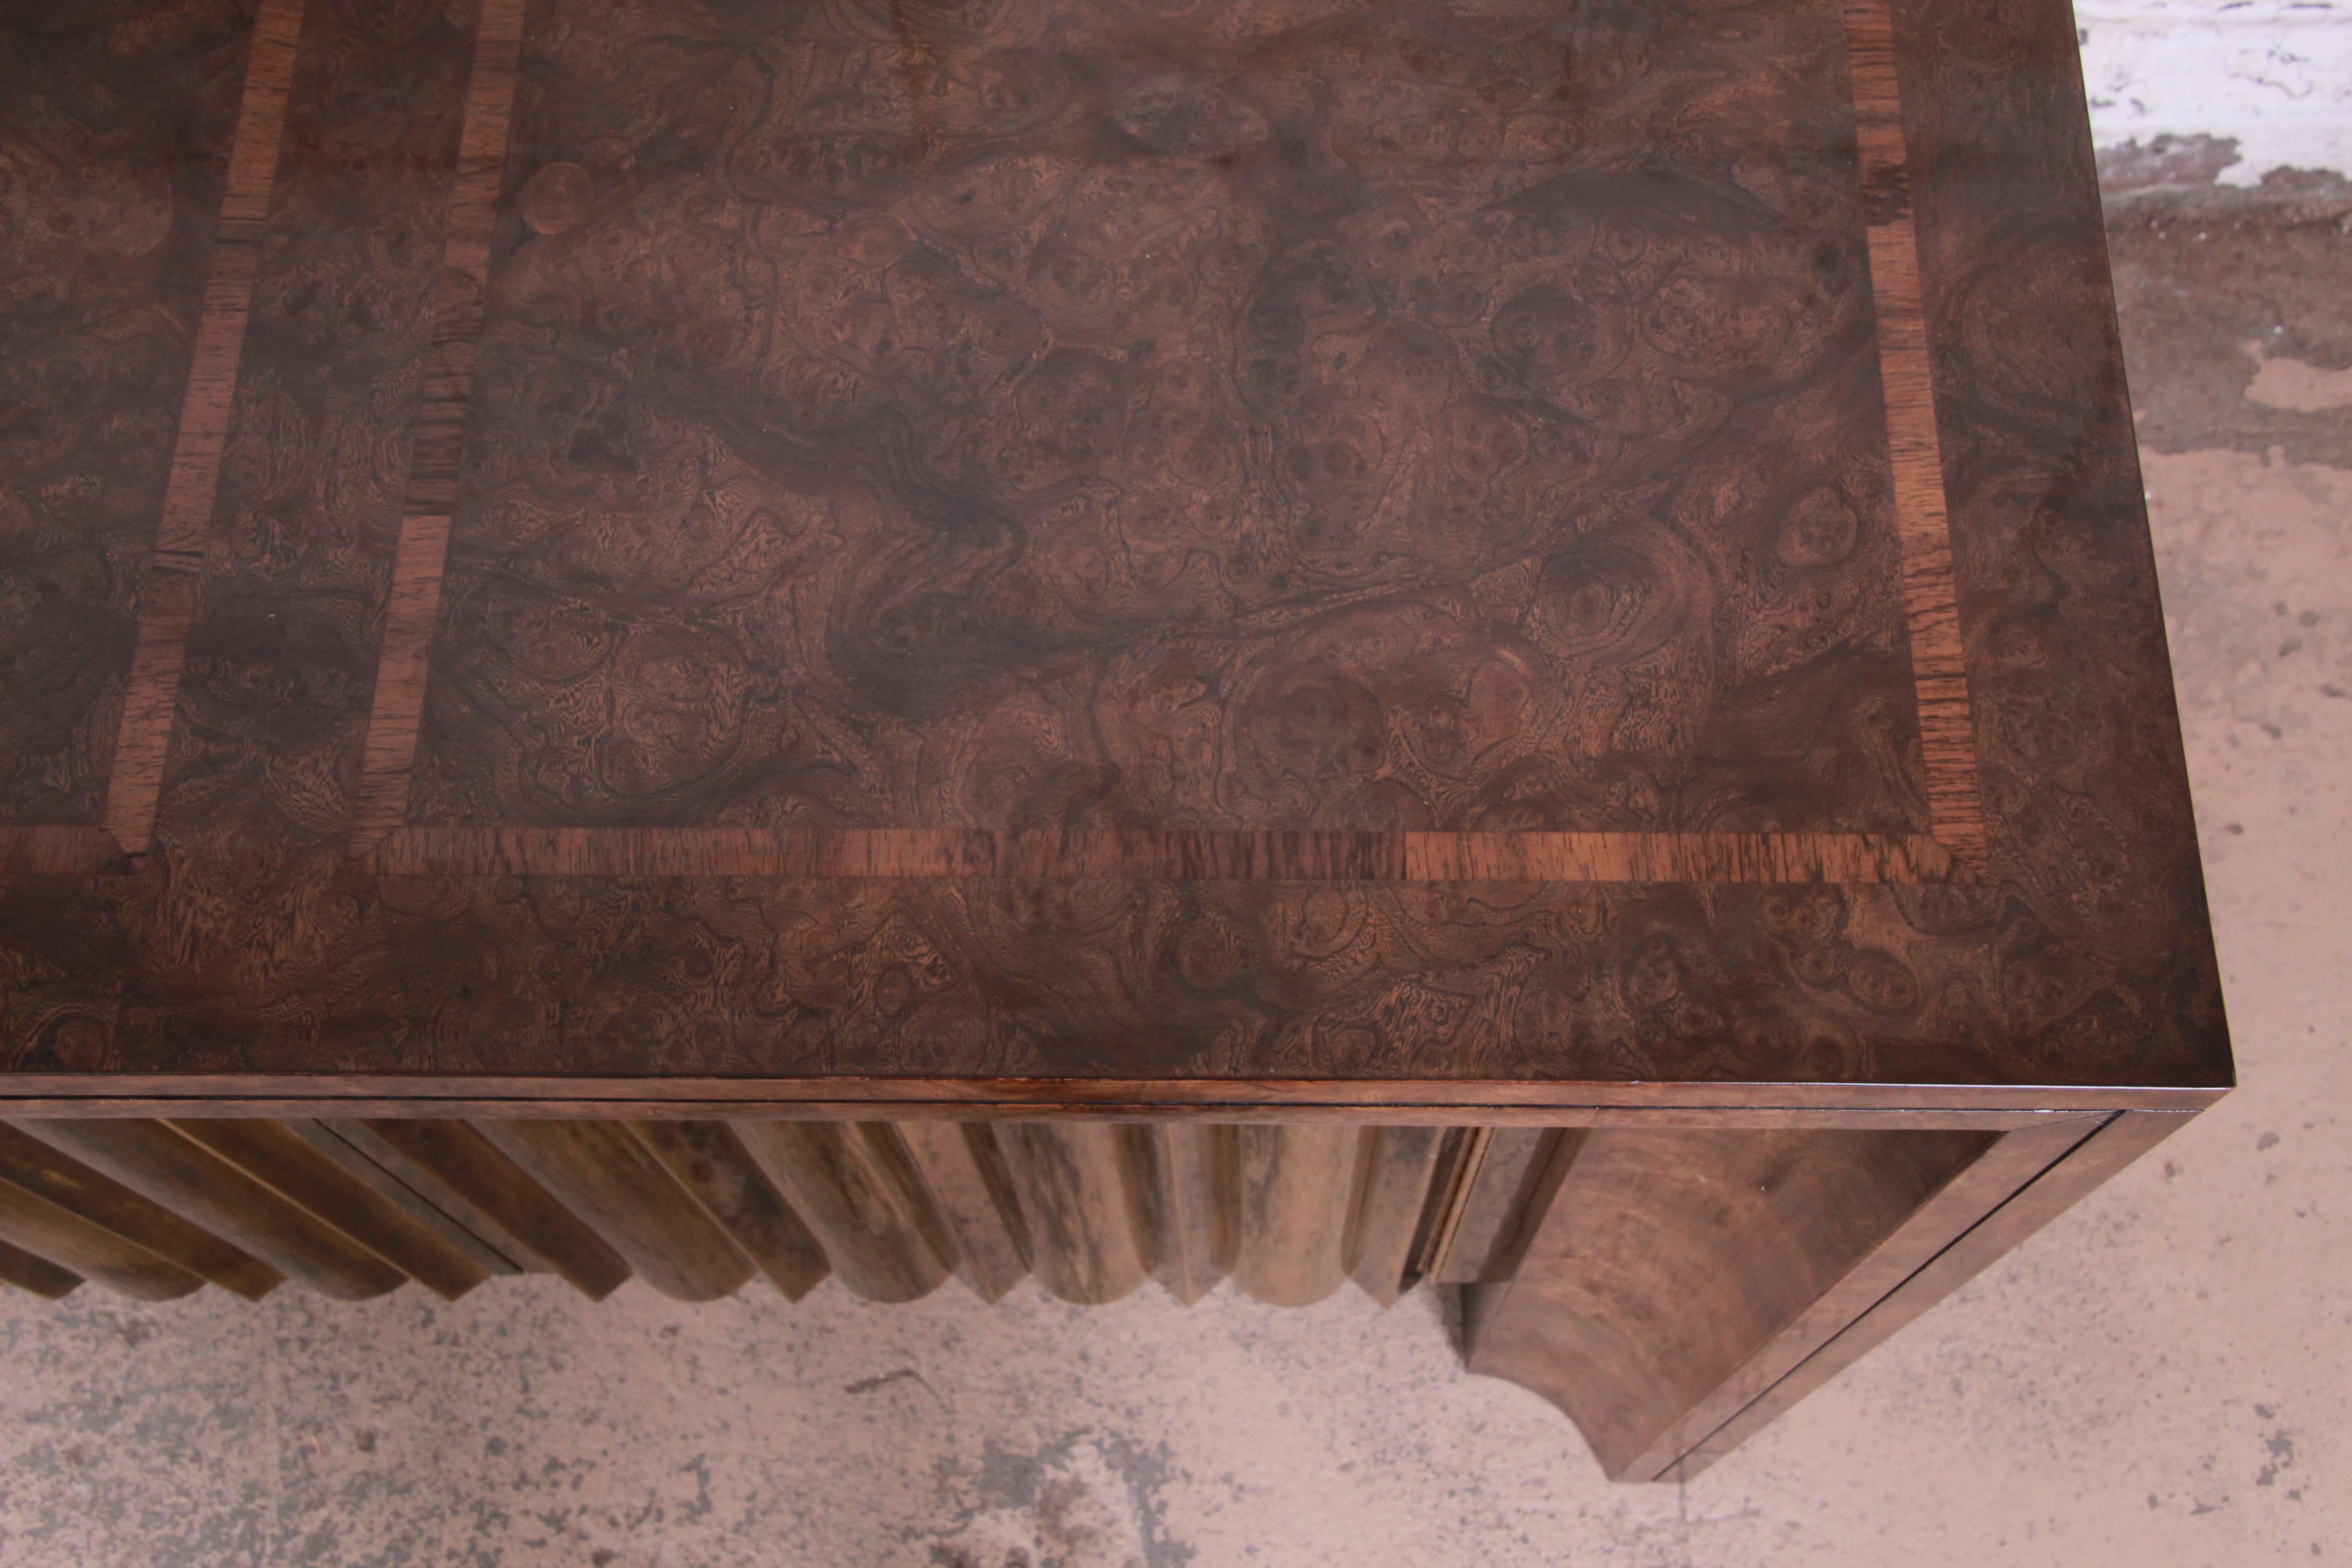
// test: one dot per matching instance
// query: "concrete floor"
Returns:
(2164, 1377)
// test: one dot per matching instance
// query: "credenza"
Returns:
(1505, 645)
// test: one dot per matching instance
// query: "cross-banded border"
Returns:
(1906, 374)
(168, 593)
(1955, 848)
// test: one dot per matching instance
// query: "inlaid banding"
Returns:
(1914, 451)
(1954, 849)
(168, 597)
(437, 450)
(1179, 857)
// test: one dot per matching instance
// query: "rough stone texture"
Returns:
(2163, 1377)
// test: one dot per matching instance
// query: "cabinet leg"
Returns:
(1678, 1280)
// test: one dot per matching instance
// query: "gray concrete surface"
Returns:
(2164, 1377)
(2274, 77)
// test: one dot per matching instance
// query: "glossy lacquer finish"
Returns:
(1567, 553)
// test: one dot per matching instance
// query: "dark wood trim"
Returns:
(817, 1098)
(1413, 1114)
(36, 1275)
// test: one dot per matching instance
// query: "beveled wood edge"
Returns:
(2073, 1176)
(1369, 1115)
(1480, 1101)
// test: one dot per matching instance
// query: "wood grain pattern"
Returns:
(1498, 387)
(1458, 1150)
(1670, 1290)
(1504, 1188)
(176, 566)
(1192, 1206)
(1348, 857)
(614, 1182)
(563, 199)
(35, 1166)
(2090, 1162)
(438, 445)
(21, 1270)
(1084, 1206)
(167, 1169)
(1670, 1260)
(857, 1189)
(710, 1163)
(1396, 1210)
(400, 674)
(1294, 1194)
(72, 1244)
(887, 852)
(279, 1158)
(58, 850)
(424, 1195)
(1907, 377)
(273, 695)
(482, 1174)
(1462, 1156)
(966, 1177)
(1568, 424)
(405, 1192)
(2006, 1165)
(1516, 1102)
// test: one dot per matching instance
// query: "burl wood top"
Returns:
(1529, 550)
